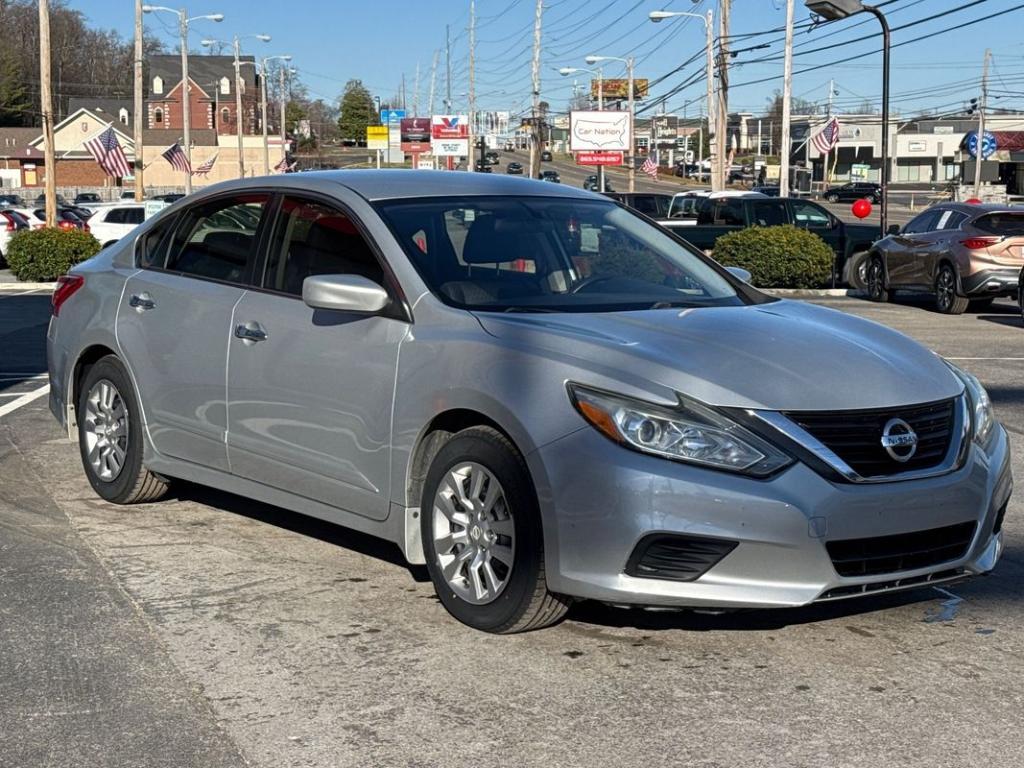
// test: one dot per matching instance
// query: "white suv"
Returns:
(111, 223)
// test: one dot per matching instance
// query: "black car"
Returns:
(169, 198)
(551, 176)
(545, 156)
(692, 171)
(591, 184)
(516, 168)
(770, 190)
(81, 212)
(14, 201)
(83, 198)
(491, 157)
(855, 190)
(482, 167)
(41, 200)
(651, 204)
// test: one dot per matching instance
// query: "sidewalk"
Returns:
(9, 283)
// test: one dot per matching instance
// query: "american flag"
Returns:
(175, 155)
(283, 166)
(206, 167)
(650, 166)
(106, 150)
(827, 137)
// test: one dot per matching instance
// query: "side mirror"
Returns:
(344, 293)
(739, 272)
(894, 229)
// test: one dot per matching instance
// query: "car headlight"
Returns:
(691, 432)
(983, 418)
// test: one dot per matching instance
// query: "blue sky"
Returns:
(378, 42)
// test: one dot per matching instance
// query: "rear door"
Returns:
(310, 391)
(174, 322)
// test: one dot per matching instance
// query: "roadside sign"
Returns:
(415, 134)
(376, 137)
(449, 127)
(988, 144)
(153, 207)
(450, 147)
(425, 163)
(612, 88)
(599, 131)
(598, 158)
(391, 116)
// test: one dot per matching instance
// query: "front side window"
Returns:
(807, 214)
(133, 215)
(151, 251)
(769, 213)
(311, 238)
(551, 255)
(925, 222)
(217, 239)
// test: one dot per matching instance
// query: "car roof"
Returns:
(403, 183)
(974, 209)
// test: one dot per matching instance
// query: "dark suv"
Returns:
(967, 255)
(855, 190)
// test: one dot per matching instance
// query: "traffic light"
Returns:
(973, 106)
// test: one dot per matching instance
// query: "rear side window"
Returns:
(134, 215)
(769, 213)
(950, 220)
(151, 252)
(217, 239)
(114, 216)
(1002, 223)
(311, 238)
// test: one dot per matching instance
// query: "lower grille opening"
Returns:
(902, 552)
(998, 525)
(884, 586)
(678, 558)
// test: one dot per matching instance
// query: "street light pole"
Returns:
(787, 97)
(632, 128)
(263, 106)
(238, 110)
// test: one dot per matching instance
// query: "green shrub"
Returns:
(778, 257)
(46, 254)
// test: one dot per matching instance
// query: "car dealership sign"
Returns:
(599, 131)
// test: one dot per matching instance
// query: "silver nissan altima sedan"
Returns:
(536, 392)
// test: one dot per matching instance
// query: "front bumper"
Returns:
(599, 500)
(1001, 281)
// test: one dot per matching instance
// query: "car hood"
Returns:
(783, 355)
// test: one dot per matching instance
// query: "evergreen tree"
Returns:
(357, 111)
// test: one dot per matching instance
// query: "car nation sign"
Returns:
(599, 131)
(599, 158)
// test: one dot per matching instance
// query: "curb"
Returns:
(21, 287)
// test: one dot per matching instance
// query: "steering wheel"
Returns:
(588, 281)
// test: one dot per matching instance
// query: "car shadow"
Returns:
(296, 522)
(23, 324)
(1011, 319)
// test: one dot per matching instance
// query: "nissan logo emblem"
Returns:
(899, 440)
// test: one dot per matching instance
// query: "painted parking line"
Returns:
(24, 400)
(999, 359)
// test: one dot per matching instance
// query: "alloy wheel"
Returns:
(945, 288)
(106, 430)
(474, 533)
(875, 281)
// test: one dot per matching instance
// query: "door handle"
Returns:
(141, 302)
(250, 332)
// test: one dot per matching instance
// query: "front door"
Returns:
(310, 391)
(175, 318)
(907, 251)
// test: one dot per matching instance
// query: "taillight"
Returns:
(10, 226)
(65, 225)
(85, 227)
(975, 243)
(66, 287)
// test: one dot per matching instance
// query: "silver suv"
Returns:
(529, 388)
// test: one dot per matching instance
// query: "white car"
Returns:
(111, 223)
(684, 204)
(10, 222)
(36, 218)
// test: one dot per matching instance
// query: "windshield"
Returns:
(551, 254)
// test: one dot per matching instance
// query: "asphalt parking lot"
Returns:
(208, 630)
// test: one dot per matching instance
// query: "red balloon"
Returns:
(973, 201)
(862, 208)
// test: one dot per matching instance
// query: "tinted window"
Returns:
(924, 223)
(152, 248)
(1003, 223)
(807, 214)
(729, 211)
(217, 239)
(311, 238)
(114, 216)
(769, 213)
(950, 220)
(134, 215)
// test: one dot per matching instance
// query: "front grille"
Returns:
(856, 436)
(901, 552)
(874, 587)
(679, 558)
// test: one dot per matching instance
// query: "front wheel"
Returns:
(858, 274)
(832, 198)
(946, 299)
(110, 436)
(876, 280)
(482, 536)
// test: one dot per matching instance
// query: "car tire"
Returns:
(980, 305)
(832, 198)
(877, 290)
(858, 273)
(946, 299)
(479, 511)
(110, 436)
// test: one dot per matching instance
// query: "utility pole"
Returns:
(186, 96)
(718, 176)
(471, 146)
(284, 108)
(535, 134)
(632, 127)
(50, 159)
(403, 91)
(263, 118)
(786, 143)
(433, 81)
(137, 128)
(448, 66)
(981, 124)
(828, 155)
(416, 93)
(238, 109)
(710, 45)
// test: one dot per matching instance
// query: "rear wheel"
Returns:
(110, 436)
(946, 299)
(482, 536)
(877, 290)
(832, 198)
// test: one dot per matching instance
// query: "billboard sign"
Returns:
(599, 131)
(391, 116)
(449, 127)
(598, 158)
(450, 147)
(988, 144)
(619, 88)
(415, 132)
(376, 137)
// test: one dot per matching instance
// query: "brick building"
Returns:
(212, 94)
